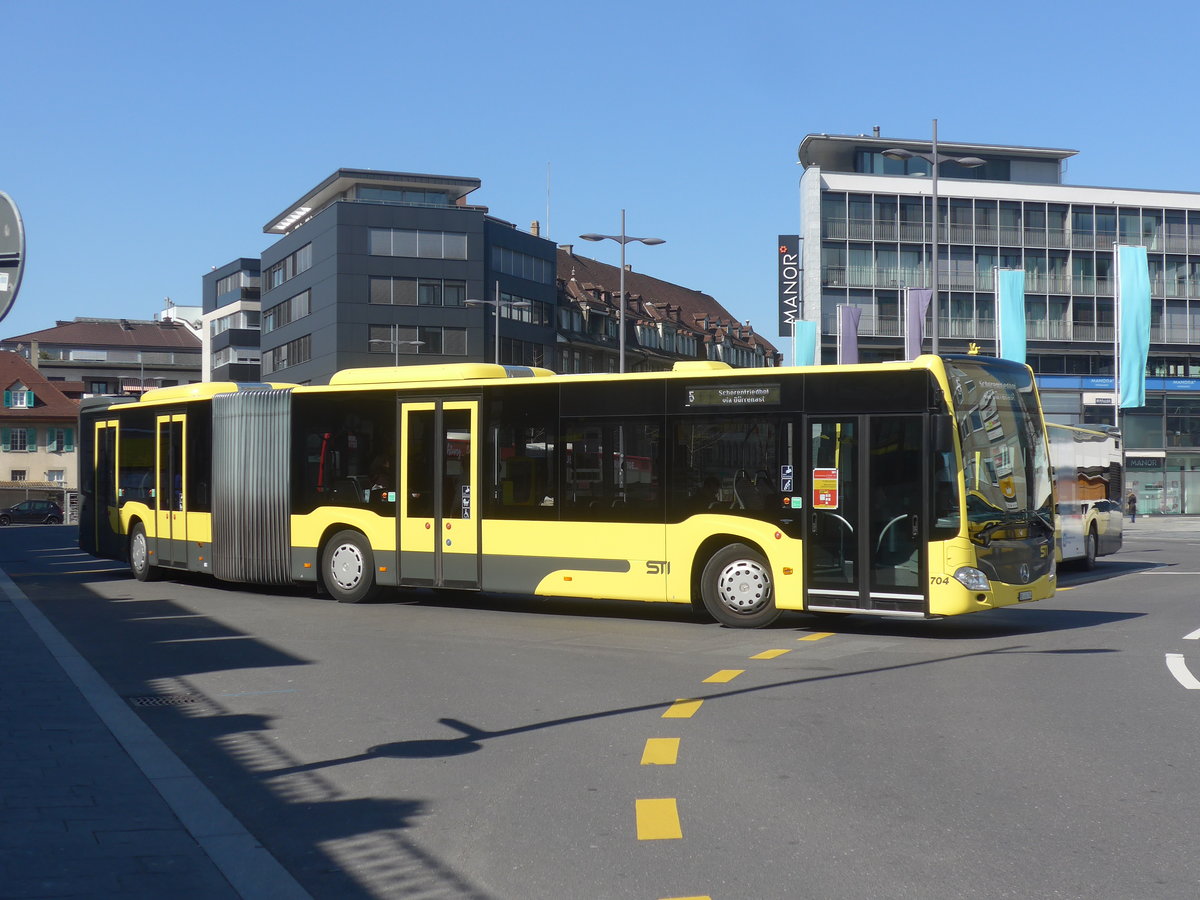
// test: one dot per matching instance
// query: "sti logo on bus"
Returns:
(658, 567)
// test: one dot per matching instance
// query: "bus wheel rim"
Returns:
(138, 553)
(346, 566)
(744, 586)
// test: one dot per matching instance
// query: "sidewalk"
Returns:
(92, 804)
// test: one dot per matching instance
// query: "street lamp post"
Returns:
(622, 239)
(496, 304)
(934, 159)
(395, 343)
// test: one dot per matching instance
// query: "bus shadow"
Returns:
(1105, 570)
(997, 623)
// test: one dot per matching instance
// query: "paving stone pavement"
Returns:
(84, 788)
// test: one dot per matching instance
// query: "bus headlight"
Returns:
(972, 579)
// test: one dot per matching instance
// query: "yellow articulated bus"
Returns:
(916, 489)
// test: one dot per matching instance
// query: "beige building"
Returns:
(38, 424)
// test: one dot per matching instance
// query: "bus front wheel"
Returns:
(1091, 549)
(348, 568)
(139, 555)
(736, 588)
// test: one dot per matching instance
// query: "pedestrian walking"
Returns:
(1131, 506)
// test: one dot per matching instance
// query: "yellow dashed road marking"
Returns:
(723, 676)
(770, 654)
(682, 709)
(660, 752)
(658, 820)
(816, 636)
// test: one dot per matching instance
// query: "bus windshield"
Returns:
(1005, 463)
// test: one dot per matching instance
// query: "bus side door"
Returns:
(438, 518)
(170, 498)
(867, 486)
(104, 518)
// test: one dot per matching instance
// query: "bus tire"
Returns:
(1091, 549)
(139, 555)
(736, 588)
(348, 568)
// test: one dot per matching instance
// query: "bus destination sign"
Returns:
(734, 395)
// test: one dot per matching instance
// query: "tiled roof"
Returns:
(581, 275)
(114, 333)
(51, 402)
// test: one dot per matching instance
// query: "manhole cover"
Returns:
(163, 700)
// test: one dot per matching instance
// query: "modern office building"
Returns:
(867, 228)
(371, 265)
(384, 268)
(230, 322)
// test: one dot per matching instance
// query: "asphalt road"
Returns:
(476, 747)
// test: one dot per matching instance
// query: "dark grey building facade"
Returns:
(230, 300)
(371, 265)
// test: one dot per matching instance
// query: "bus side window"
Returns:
(946, 517)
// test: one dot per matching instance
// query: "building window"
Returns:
(18, 475)
(429, 292)
(236, 281)
(392, 339)
(288, 311)
(57, 476)
(245, 319)
(290, 354)
(18, 440)
(289, 267)
(417, 291)
(98, 387)
(18, 397)
(403, 196)
(522, 265)
(60, 440)
(417, 244)
(434, 339)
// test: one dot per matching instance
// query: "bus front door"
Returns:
(104, 515)
(170, 499)
(866, 486)
(438, 519)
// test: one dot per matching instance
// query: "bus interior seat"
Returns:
(743, 490)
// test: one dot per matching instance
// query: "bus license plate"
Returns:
(1024, 595)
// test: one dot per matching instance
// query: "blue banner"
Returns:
(1133, 334)
(805, 343)
(1010, 314)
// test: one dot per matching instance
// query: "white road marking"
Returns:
(1179, 669)
(1194, 636)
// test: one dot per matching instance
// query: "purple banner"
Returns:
(847, 348)
(915, 306)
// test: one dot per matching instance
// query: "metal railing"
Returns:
(1005, 235)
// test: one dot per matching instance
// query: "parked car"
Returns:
(41, 512)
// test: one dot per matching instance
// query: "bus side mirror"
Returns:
(943, 434)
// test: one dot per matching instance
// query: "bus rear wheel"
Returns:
(348, 568)
(139, 555)
(736, 588)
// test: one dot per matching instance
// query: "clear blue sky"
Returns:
(147, 142)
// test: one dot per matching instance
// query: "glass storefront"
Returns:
(1165, 485)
